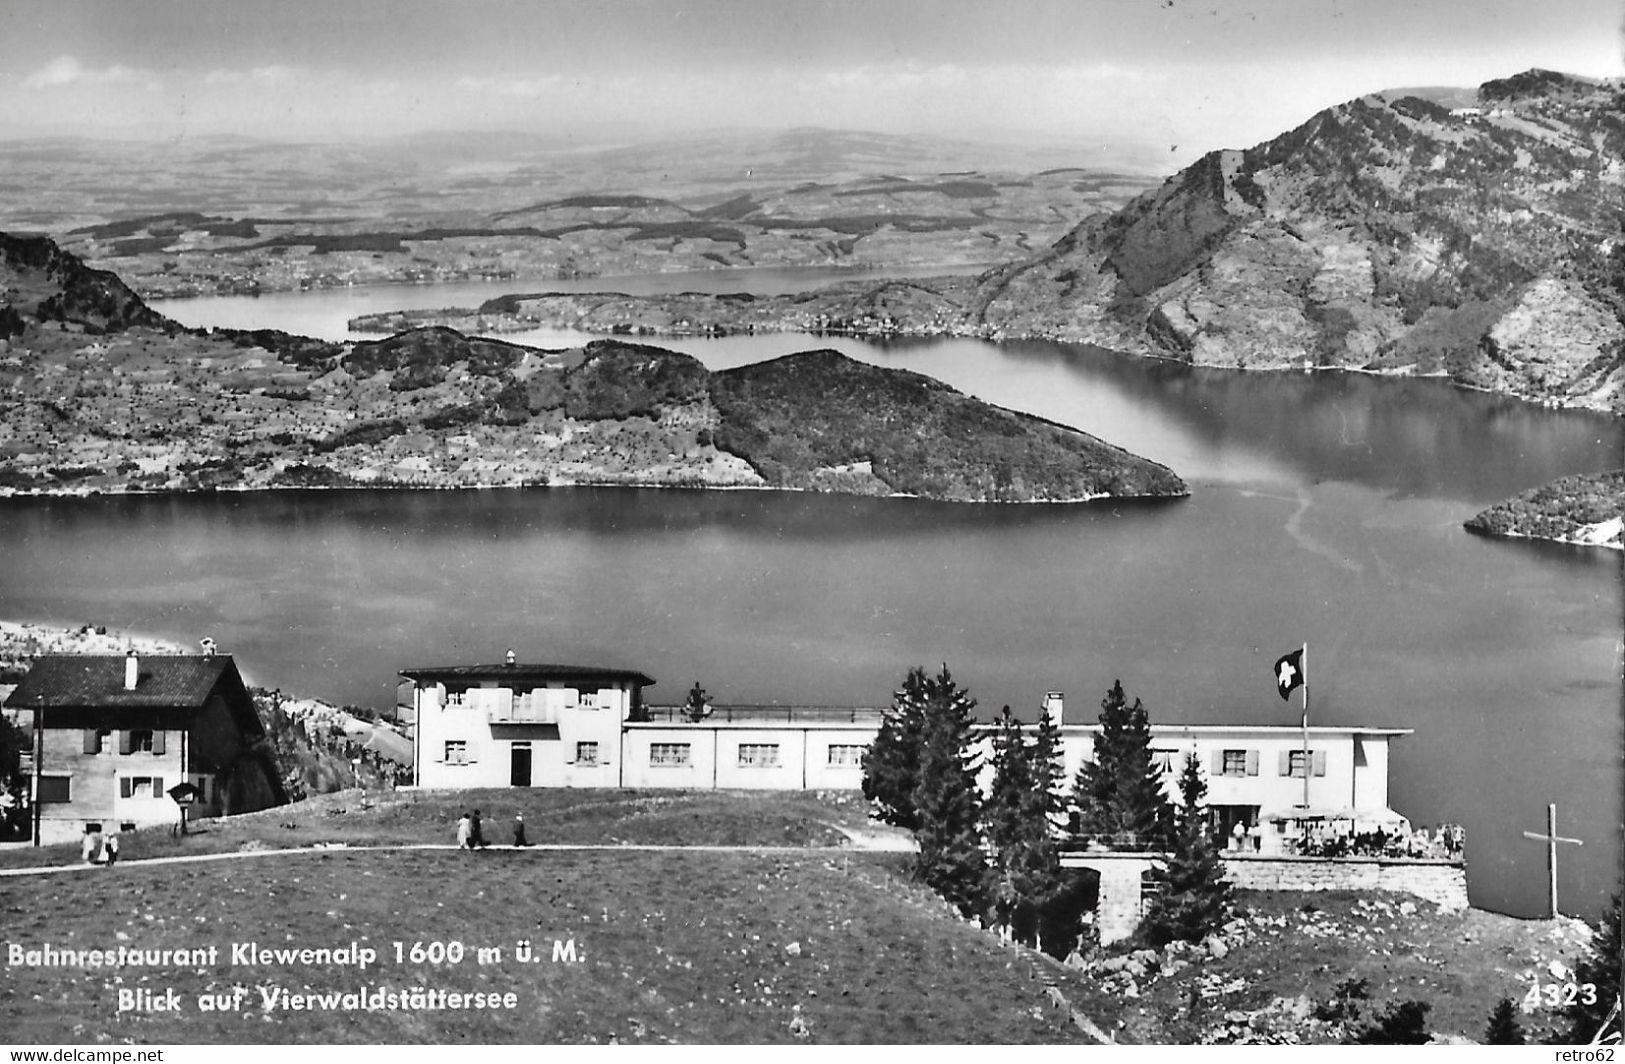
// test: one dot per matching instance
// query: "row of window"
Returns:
(756, 755)
(457, 752)
(134, 741)
(1296, 763)
(751, 755)
(1245, 762)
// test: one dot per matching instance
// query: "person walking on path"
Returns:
(110, 848)
(465, 833)
(519, 830)
(476, 835)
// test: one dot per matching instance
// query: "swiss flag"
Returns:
(1289, 672)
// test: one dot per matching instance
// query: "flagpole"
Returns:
(1304, 661)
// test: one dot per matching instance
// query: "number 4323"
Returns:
(1557, 995)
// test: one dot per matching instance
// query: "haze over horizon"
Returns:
(1183, 77)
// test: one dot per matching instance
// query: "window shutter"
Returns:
(93, 745)
(1286, 762)
(472, 755)
(437, 754)
(157, 786)
(1320, 762)
(157, 742)
(1252, 762)
(124, 746)
(124, 787)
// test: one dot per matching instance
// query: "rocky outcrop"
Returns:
(1389, 234)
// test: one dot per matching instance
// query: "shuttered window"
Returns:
(1292, 762)
(141, 787)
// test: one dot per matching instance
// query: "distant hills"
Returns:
(224, 215)
(98, 393)
(1392, 234)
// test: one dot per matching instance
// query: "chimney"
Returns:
(510, 656)
(208, 648)
(132, 670)
(1052, 708)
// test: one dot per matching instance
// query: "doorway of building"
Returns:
(519, 773)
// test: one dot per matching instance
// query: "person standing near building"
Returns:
(465, 832)
(476, 835)
(110, 848)
(519, 830)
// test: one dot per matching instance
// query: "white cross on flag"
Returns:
(1289, 673)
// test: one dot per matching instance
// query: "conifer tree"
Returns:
(947, 807)
(1014, 834)
(1503, 1029)
(1196, 898)
(1119, 794)
(1029, 893)
(1010, 796)
(1600, 968)
(891, 764)
(1048, 773)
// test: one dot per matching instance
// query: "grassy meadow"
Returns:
(670, 946)
(813, 939)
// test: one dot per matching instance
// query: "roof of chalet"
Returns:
(97, 681)
(522, 672)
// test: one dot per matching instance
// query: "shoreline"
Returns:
(89, 493)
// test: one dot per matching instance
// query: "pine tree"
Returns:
(1013, 833)
(946, 803)
(1029, 893)
(1401, 1024)
(1196, 898)
(1010, 796)
(1503, 1029)
(1601, 969)
(891, 764)
(1049, 774)
(1119, 794)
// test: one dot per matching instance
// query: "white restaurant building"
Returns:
(525, 725)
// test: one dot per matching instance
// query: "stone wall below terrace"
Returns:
(1443, 883)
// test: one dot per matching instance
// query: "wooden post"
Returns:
(1551, 839)
(1307, 761)
(39, 766)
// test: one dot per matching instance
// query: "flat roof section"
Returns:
(523, 673)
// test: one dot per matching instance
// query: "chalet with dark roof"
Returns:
(117, 733)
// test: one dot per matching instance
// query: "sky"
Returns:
(1192, 75)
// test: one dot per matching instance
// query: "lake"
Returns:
(1325, 509)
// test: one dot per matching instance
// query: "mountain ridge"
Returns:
(1497, 229)
(98, 393)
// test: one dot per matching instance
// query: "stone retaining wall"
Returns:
(1121, 904)
(1442, 882)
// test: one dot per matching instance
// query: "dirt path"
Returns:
(860, 844)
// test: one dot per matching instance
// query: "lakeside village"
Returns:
(115, 743)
